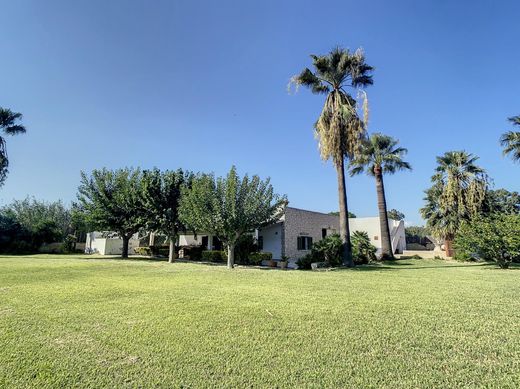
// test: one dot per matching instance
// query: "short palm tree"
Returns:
(510, 141)
(458, 194)
(9, 126)
(339, 129)
(380, 155)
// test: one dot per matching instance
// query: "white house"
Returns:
(297, 229)
(106, 244)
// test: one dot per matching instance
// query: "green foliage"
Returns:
(112, 201)
(214, 255)
(304, 263)
(363, 250)
(28, 224)
(245, 245)
(143, 251)
(328, 250)
(256, 258)
(503, 201)
(9, 126)
(350, 214)
(495, 238)
(395, 214)
(161, 195)
(458, 193)
(510, 141)
(230, 206)
(339, 129)
(379, 153)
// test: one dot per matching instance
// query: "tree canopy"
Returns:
(458, 193)
(230, 206)
(112, 201)
(161, 200)
(510, 141)
(9, 124)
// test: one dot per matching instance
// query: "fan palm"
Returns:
(510, 141)
(380, 155)
(339, 129)
(458, 194)
(9, 126)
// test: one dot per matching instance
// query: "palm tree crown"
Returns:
(458, 193)
(510, 141)
(380, 152)
(339, 128)
(9, 126)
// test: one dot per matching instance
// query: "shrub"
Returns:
(214, 256)
(258, 257)
(143, 251)
(362, 250)
(304, 263)
(246, 245)
(328, 250)
(495, 238)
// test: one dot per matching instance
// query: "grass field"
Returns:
(77, 321)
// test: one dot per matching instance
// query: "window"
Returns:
(260, 243)
(304, 242)
(323, 233)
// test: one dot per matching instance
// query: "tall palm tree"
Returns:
(339, 129)
(458, 194)
(510, 141)
(378, 156)
(9, 126)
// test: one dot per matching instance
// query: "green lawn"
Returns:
(78, 321)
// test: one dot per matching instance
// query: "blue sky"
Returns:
(202, 85)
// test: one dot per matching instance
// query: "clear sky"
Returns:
(202, 85)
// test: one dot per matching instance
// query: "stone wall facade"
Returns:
(299, 222)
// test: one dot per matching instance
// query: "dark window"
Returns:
(260, 243)
(323, 232)
(304, 243)
(205, 242)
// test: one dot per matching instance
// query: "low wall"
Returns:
(425, 254)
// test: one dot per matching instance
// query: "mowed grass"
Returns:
(77, 321)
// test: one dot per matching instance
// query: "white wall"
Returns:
(97, 244)
(272, 236)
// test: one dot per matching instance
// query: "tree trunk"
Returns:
(448, 247)
(231, 256)
(386, 242)
(172, 255)
(126, 239)
(344, 231)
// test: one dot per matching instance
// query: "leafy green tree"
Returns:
(380, 155)
(510, 141)
(161, 199)
(9, 126)
(394, 214)
(112, 201)
(503, 201)
(458, 194)
(350, 214)
(37, 222)
(229, 207)
(495, 238)
(339, 129)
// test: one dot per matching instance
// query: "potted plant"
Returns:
(284, 262)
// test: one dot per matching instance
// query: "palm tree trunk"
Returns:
(231, 256)
(126, 239)
(448, 247)
(386, 243)
(344, 231)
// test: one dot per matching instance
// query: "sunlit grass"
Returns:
(78, 321)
